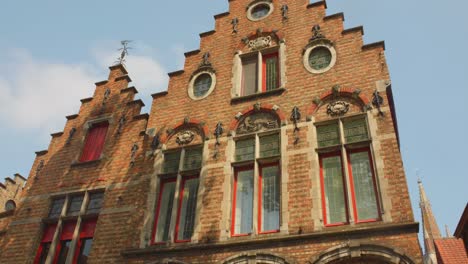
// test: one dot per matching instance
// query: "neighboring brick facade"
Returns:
(129, 170)
(11, 190)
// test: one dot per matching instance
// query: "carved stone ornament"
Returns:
(257, 122)
(260, 43)
(337, 108)
(185, 137)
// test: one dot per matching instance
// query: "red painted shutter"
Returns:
(87, 228)
(67, 231)
(94, 143)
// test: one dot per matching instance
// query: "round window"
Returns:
(202, 85)
(259, 10)
(320, 58)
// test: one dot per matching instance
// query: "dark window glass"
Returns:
(260, 11)
(75, 205)
(56, 208)
(249, 76)
(328, 135)
(85, 249)
(245, 149)
(320, 58)
(334, 193)
(166, 202)
(202, 85)
(171, 162)
(64, 248)
(10, 205)
(188, 206)
(192, 159)
(269, 146)
(95, 203)
(271, 72)
(355, 130)
(44, 251)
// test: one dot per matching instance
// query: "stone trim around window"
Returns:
(308, 50)
(191, 86)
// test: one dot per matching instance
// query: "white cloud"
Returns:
(37, 94)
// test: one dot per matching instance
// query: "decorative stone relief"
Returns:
(185, 137)
(257, 122)
(260, 43)
(337, 108)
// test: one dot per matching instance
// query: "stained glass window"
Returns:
(244, 202)
(335, 203)
(202, 85)
(188, 208)
(270, 199)
(245, 149)
(320, 58)
(166, 202)
(171, 162)
(192, 159)
(355, 130)
(269, 146)
(328, 135)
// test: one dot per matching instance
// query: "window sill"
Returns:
(252, 97)
(86, 163)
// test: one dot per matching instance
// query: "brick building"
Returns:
(274, 144)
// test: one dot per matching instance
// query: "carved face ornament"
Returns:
(185, 137)
(337, 108)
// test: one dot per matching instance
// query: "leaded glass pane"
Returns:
(75, 205)
(245, 149)
(260, 11)
(85, 250)
(249, 76)
(64, 248)
(56, 208)
(192, 159)
(270, 198)
(171, 162)
(188, 209)
(364, 191)
(334, 190)
(355, 130)
(320, 58)
(165, 211)
(328, 135)
(271, 72)
(244, 202)
(202, 85)
(269, 146)
(95, 203)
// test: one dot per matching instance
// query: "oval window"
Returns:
(320, 58)
(260, 11)
(202, 85)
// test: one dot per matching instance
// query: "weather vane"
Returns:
(123, 51)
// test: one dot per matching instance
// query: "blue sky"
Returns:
(52, 52)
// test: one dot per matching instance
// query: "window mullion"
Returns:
(348, 189)
(56, 239)
(76, 233)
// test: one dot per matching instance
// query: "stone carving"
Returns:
(317, 33)
(257, 122)
(337, 108)
(260, 43)
(185, 137)
(234, 23)
(284, 11)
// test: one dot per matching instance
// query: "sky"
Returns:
(52, 52)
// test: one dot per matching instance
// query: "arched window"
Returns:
(258, 258)
(10, 205)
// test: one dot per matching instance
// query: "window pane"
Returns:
(85, 249)
(260, 11)
(334, 190)
(95, 203)
(165, 210)
(364, 190)
(202, 85)
(187, 210)
(355, 130)
(64, 248)
(269, 146)
(244, 202)
(320, 58)
(171, 162)
(249, 76)
(192, 159)
(75, 205)
(328, 135)
(45, 247)
(271, 72)
(270, 198)
(56, 208)
(245, 149)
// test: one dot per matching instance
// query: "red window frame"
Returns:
(68, 229)
(87, 231)
(158, 207)
(233, 220)
(181, 195)
(366, 149)
(94, 142)
(47, 238)
(264, 77)
(260, 195)
(322, 186)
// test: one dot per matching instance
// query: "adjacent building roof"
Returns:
(450, 251)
